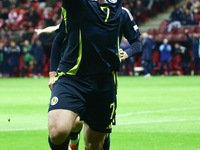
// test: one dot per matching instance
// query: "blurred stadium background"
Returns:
(19, 18)
(158, 113)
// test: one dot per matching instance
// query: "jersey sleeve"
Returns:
(131, 32)
(130, 28)
(57, 47)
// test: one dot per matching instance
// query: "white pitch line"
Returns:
(22, 129)
(157, 111)
(158, 121)
(127, 123)
(122, 115)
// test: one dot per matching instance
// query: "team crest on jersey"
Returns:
(54, 101)
(112, 1)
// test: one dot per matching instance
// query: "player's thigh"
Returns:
(91, 136)
(61, 121)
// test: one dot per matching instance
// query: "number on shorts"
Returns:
(113, 110)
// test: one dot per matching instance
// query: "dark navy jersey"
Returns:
(128, 29)
(92, 28)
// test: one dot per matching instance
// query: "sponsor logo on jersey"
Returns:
(112, 1)
(135, 27)
(54, 100)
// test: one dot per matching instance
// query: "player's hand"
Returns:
(38, 31)
(123, 54)
(52, 75)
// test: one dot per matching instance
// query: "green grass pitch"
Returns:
(158, 113)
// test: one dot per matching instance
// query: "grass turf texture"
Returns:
(158, 113)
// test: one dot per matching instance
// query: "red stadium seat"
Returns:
(158, 37)
(191, 63)
(176, 63)
(156, 62)
(180, 37)
(162, 30)
(192, 29)
(169, 36)
(164, 24)
(138, 62)
(21, 62)
(180, 30)
(151, 31)
(198, 30)
(156, 57)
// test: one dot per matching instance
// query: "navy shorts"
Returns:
(92, 97)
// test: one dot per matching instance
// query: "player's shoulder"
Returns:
(126, 13)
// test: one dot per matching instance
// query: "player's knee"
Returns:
(77, 126)
(57, 136)
(95, 142)
(97, 145)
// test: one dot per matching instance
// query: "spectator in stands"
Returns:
(7, 32)
(28, 57)
(196, 7)
(22, 31)
(188, 18)
(131, 7)
(2, 24)
(139, 9)
(32, 15)
(16, 2)
(14, 54)
(124, 45)
(185, 56)
(187, 4)
(3, 58)
(177, 14)
(47, 12)
(165, 50)
(41, 24)
(3, 14)
(28, 4)
(21, 15)
(38, 51)
(12, 15)
(6, 4)
(6, 67)
(2, 33)
(147, 53)
(145, 2)
(30, 26)
(17, 38)
(160, 5)
(52, 20)
(195, 49)
(50, 3)
(149, 8)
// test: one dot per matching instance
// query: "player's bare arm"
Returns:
(52, 75)
(45, 30)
